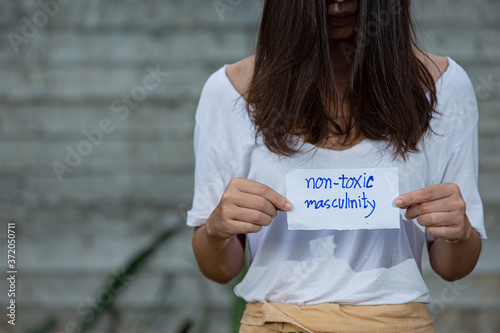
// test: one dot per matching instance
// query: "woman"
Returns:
(336, 85)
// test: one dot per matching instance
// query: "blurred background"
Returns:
(97, 103)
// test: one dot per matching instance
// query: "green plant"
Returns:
(132, 267)
(239, 303)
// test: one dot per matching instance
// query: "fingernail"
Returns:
(406, 215)
(399, 202)
(288, 205)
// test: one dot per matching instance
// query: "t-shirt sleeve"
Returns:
(212, 170)
(210, 179)
(462, 169)
(458, 158)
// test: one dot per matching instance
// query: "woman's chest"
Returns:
(416, 172)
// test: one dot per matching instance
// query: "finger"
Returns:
(440, 205)
(425, 194)
(255, 202)
(438, 219)
(450, 233)
(253, 187)
(242, 227)
(251, 216)
(231, 227)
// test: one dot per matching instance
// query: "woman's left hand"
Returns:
(440, 208)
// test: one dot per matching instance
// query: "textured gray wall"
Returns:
(84, 65)
(469, 32)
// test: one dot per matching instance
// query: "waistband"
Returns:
(331, 317)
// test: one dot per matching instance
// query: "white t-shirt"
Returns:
(365, 267)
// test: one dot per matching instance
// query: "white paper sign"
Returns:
(342, 199)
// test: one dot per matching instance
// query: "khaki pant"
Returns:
(331, 317)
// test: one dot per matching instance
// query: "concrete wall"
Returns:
(469, 33)
(83, 67)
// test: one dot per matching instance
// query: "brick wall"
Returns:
(78, 99)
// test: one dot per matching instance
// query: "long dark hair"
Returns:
(293, 92)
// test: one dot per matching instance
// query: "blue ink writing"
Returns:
(362, 202)
(361, 181)
(343, 200)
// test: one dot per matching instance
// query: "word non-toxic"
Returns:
(362, 181)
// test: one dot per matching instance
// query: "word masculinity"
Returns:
(345, 200)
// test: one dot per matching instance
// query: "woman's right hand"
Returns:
(245, 207)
